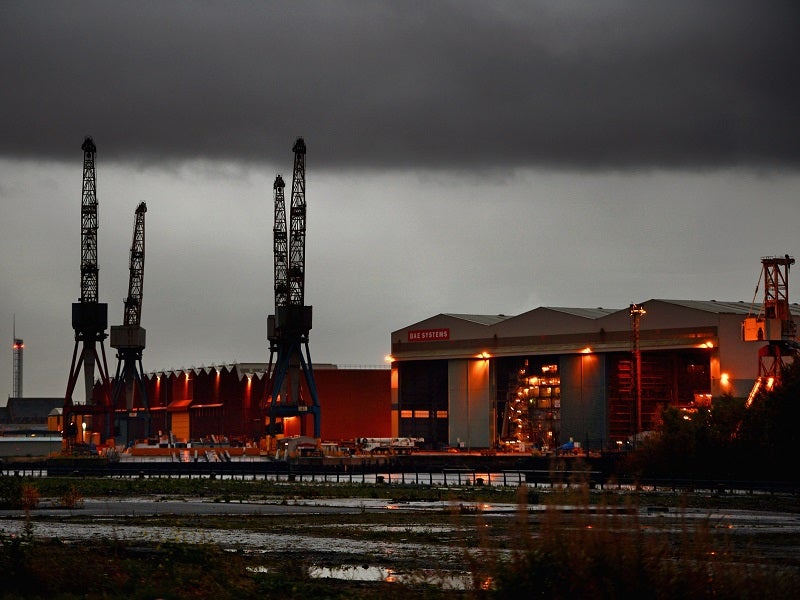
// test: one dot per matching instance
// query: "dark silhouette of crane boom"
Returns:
(129, 338)
(288, 329)
(89, 320)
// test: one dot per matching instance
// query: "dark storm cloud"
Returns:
(405, 84)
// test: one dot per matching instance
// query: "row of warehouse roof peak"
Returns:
(250, 369)
(557, 319)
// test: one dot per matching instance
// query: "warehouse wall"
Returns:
(583, 402)
(226, 401)
(470, 403)
(354, 403)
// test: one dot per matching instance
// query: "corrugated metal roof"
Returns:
(711, 306)
(480, 319)
(718, 307)
(588, 313)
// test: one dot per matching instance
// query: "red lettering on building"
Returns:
(429, 335)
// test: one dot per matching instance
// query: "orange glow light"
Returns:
(587, 350)
(725, 379)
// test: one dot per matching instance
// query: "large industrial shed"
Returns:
(462, 380)
(224, 401)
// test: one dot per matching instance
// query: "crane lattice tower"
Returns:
(288, 329)
(89, 317)
(129, 338)
(773, 324)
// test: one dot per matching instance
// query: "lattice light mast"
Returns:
(289, 327)
(636, 312)
(129, 338)
(89, 316)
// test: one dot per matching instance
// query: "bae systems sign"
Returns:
(429, 335)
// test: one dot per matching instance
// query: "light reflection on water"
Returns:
(266, 542)
(449, 580)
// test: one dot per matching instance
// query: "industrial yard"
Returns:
(551, 380)
(357, 300)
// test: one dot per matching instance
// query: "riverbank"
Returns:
(244, 538)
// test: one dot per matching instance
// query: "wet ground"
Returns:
(336, 538)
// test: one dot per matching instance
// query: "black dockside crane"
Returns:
(288, 329)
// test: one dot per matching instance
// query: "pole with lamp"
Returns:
(636, 313)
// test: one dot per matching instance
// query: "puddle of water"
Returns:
(265, 542)
(448, 580)
(444, 579)
(406, 528)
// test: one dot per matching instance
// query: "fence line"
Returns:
(383, 475)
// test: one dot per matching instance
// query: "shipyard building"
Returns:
(225, 403)
(590, 377)
(593, 377)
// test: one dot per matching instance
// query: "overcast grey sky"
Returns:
(464, 157)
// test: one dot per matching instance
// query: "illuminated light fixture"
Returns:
(770, 383)
(388, 358)
(725, 379)
(586, 350)
(484, 355)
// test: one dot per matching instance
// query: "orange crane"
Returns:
(129, 338)
(89, 320)
(288, 328)
(772, 324)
